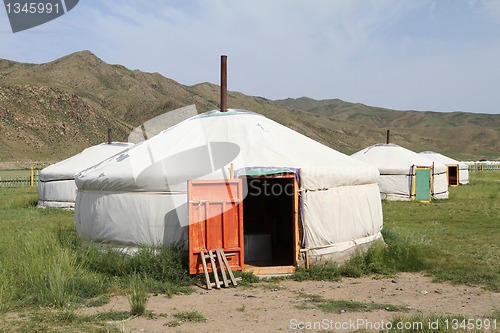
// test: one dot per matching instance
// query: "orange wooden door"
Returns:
(215, 221)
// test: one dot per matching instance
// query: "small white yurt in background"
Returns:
(456, 172)
(302, 197)
(404, 174)
(57, 186)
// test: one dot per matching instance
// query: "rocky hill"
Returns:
(461, 135)
(51, 111)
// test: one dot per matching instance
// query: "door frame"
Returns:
(457, 168)
(414, 185)
(296, 210)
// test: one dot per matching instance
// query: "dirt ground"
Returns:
(284, 306)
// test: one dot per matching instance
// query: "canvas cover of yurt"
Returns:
(456, 172)
(57, 186)
(404, 174)
(301, 198)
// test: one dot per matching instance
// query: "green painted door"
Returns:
(423, 184)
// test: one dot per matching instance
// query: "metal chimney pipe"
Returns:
(223, 83)
(388, 135)
(110, 136)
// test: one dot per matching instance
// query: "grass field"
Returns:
(459, 237)
(15, 173)
(46, 273)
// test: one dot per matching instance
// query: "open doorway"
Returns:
(270, 221)
(453, 175)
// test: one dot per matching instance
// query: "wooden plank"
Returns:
(205, 270)
(214, 269)
(269, 270)
(229, 270)
(220, 254)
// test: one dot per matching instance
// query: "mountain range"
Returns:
(54, 110)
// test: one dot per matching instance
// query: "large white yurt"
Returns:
(456, 172)
(404, 174)
(57, 186)
(301, 199)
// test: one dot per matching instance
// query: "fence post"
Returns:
(31, 177)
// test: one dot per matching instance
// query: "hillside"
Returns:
(460, 134)
(51, 111)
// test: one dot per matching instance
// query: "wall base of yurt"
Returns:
(56, 204)
(338, 253)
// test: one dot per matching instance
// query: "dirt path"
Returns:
(286, 305)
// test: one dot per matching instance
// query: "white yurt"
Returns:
(57, 186)
(456, 172)
(404, 174)
(302, 198)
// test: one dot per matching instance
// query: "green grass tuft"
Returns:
(137, 296)
(246, 278)
(353, 306)
(186, 316)
(327, 271)
(161, 264)
(190, 316)
(381, 258)
(340, 306)
(62, 321)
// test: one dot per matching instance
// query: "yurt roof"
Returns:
(68, 168)
(392, 158)
(205, 145)
(437, 157)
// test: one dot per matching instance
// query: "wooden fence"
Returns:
(20, 181)
(484, 166)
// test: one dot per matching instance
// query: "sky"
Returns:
(428, 55)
